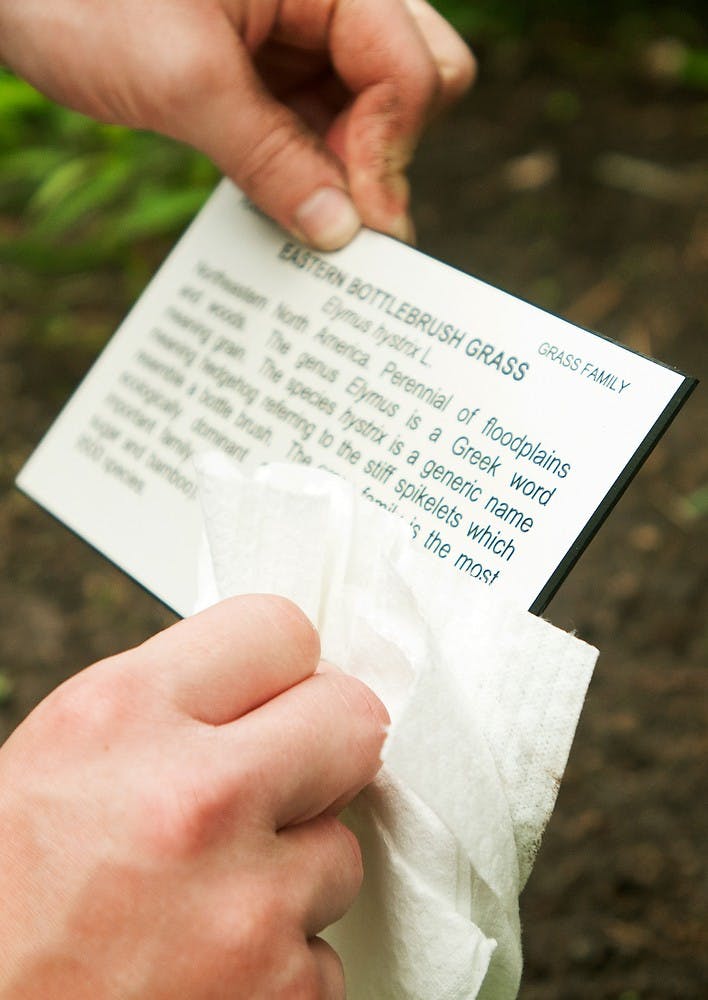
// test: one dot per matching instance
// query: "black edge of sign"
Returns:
(637, 460)
(659, 428)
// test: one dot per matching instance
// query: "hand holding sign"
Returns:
(314, 109)
(167, 817)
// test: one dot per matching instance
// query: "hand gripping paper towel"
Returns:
(484, 699)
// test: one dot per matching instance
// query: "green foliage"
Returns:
(695, 68)
(7, 690)
(75, 195)
(492, 18)
(485, 18)
(86, 193)
(696, 505)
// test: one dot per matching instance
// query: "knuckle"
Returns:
(329, 983)
(352, 862)
(270, 154)
(364, 705)
(180, 84)
(389, 118)
(305, 982)
(292, 622)
(248, 787)
(259, 941)
(240, 790)
(259, 938)
(97, 702)
(422, 87)
(179, 821)
(365, 719)
(461, 74)
(259, 925)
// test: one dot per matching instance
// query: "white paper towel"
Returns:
(484, 699)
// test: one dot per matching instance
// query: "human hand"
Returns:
(167, 817)
(313, 107)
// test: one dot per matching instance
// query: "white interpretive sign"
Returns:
(502, 434)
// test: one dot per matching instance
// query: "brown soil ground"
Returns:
(616, 905)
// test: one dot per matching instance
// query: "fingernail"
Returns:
(328, 219)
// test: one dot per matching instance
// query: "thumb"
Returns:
(270, 153)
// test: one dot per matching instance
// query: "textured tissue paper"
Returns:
(484, 700)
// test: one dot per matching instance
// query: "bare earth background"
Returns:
(590, 200)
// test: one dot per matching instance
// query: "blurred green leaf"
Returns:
(32, 164)
(18, 97)
(58, 184)
(156, 213)
(562, 106)
(485, 19)
(695, 69)
(81, 194)
(76, 194)
(38, 255)
(62, 202)
(21, 170)
(7, 689)
(697, 503)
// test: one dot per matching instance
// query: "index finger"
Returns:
(316, 744)
(231, 658)
(380, 54)
(401, 61)
(454, 59)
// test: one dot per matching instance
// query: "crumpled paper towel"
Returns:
(484, 701)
